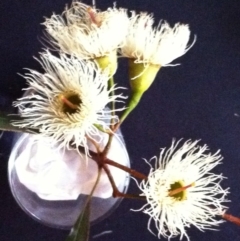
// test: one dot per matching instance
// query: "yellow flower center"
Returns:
(178, 190)
(181, 195)
(69, 103)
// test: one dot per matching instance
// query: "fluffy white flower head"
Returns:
(67, 100)
(187, 167)
(86, 32)
(158, 46)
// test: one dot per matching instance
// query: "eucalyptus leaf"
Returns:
(80, 231)
(6, 120)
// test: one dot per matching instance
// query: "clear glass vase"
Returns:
(51, 186)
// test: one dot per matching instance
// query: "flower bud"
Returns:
(108, 63)
(141, 75)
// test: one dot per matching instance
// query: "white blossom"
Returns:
(200, 201)
(155, 45)
(86, 32)
(67, 101)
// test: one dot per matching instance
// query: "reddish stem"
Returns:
(132, 172)
(96, 157)
(116, 192)
(102, 160)
(231, 218)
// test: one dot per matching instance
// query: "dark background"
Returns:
(200, 99)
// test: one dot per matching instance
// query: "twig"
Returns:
(116, 192)
(132, 172)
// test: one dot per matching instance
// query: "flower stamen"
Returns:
(94, 16)
(70, 103)
(178, 191)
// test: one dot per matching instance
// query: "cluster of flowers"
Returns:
(68, 102)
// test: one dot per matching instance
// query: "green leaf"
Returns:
(6, 120)
(80, 231)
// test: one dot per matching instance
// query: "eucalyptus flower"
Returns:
(68, 101)
(148, 48)
(181, 191)
(89, 34)
(155, 45)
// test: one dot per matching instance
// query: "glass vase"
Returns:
(51, 185)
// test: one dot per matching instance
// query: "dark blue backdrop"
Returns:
(200, 99)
